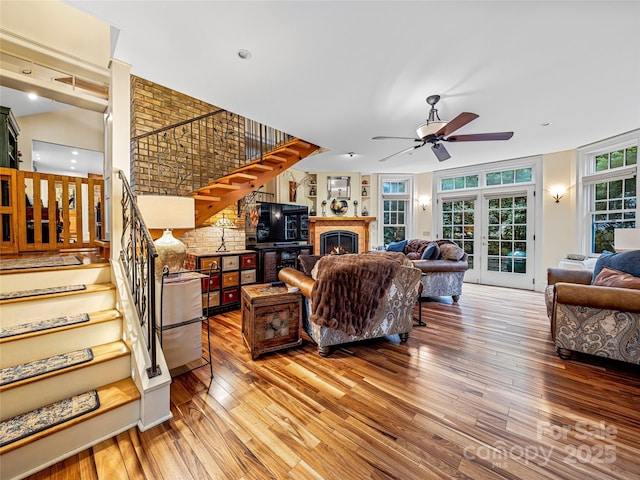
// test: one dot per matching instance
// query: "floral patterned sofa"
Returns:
(596, 313)
(393, 315)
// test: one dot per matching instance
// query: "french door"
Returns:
(496, 230)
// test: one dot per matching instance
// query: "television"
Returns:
(272, 224)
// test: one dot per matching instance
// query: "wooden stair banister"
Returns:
(227, 190)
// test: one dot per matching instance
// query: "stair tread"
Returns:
(207, 198)
(90, 288)
(111, 396)
(218, 186)
(237, 177)
(101, 353)
(57, 268)
(94, 318)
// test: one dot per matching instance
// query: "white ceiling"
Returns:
(339, 73)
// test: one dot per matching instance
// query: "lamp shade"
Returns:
(626, 239)
(167, 211)
(224, 222)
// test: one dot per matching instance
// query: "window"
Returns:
(396, 208)
(610, 186)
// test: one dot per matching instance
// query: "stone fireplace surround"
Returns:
(359, 225)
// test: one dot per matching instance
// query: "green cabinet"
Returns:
(9, 132)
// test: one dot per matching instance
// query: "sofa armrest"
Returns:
(295, 278)
(556, 275)
(610, 298)
(441, 265)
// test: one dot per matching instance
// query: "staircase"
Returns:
(108, 372)
(225, 191)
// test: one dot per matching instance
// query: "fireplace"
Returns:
(338, 242)
(358, 225)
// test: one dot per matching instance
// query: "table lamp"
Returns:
(223, 222)
(168, 212)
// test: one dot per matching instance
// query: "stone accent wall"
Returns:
(154, 107)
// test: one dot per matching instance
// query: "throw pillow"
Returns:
(431, 252)
(627, 262)
(608, 277)
(307, 262)
(449, 251)
(397, 246)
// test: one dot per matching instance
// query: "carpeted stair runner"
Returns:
(26, 424)
(41, 291)
(45, 365)
(40, 325)
(39, 262)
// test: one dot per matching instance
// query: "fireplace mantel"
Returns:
(359, 225)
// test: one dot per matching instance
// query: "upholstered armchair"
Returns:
(593, 319)
(393, 315)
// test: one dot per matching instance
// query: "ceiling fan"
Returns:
(434, 131)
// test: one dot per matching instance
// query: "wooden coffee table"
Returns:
(271, 318)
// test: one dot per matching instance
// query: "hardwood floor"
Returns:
(478, 393)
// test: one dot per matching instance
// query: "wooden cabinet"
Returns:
(225, 273)
(273, 259)
(9, 132)
(271, 318)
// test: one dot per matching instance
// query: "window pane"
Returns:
(523, 175)
(459, 182)
(615, 189)
(601, 191)
(494, 178)
(602, 162)
(446, 206)
(630, 187)
(507, 176)
(506, 202)
(617, 159)
(471, 181)
(632, 155)
(447, 184)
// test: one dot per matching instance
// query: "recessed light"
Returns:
(74, 152)
(545, 124)
(244, 54)
(73, 168)
(32, 96)
(351, 154)
(73, 160)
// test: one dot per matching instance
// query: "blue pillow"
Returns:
(432, 252)
(627, 262)
(397, 246)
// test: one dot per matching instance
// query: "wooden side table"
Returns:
(271, 318)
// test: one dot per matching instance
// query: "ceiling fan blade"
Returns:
(480, 137)
(401, 152)
(396, 138)
(458, 122)
(440, 152)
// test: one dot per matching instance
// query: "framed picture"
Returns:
(339, 187)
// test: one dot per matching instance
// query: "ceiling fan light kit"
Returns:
(434, 131)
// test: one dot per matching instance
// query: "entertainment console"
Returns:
(271, 259)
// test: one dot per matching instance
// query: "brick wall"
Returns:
(154, 107)
(181, 159)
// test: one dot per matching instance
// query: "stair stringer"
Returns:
(208, 202)
(155, 392)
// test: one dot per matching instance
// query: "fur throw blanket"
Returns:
(349, 288)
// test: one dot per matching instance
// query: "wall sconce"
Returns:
(557, 193)
(424, 202)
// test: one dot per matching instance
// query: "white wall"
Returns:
(73, 127)
(558, 229)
